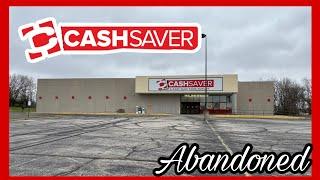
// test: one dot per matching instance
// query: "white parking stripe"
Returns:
(222, 142)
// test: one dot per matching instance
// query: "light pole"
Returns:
(204, 36)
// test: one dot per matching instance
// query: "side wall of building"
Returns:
(99, 95)
(110, 95)
(255, 97)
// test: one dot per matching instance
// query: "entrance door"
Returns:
(190, 107)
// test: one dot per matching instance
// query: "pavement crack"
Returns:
(133, 149)
(75, 169)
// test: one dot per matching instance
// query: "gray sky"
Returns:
(257, 43)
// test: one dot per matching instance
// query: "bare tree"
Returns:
(307, 95)
(14, 88)
(21, 89)
(289, 97)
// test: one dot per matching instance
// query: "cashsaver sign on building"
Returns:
(197, 84)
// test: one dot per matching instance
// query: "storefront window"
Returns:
(215, 99)
(209, 105)
(196, 98)
(223, 98)
(210, 99)
(223, 105)
(184, 99)
(229, 105)
(216, 105)
(202, 99)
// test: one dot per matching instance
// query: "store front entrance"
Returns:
(190, 108)
(216, 103)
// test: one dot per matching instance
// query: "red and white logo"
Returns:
(162, 84)
(43, 39)
(47, 39)
(183, 84)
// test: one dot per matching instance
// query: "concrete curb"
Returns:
(102, 114)
(271, 117)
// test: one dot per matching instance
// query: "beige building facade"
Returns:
(156, 94)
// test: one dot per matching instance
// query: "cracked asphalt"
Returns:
(67, 145)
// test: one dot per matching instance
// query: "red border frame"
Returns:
(4, 71)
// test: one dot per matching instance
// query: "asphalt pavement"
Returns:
(67, 145)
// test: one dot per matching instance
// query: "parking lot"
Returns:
(64, 145)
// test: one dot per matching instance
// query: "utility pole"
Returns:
(204, 36)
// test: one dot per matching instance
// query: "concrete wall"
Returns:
(118, 88)
(259, 93)
(115, 88)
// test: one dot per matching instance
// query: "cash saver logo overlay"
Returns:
(48, 39)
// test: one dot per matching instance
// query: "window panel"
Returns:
(216, 105)
(223, 98)
(223, 105)
(202, 99)
(184, 99)
(215, 98)
(209, 105)
(196, 98)
(229, 105)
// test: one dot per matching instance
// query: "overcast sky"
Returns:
(257, 43)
